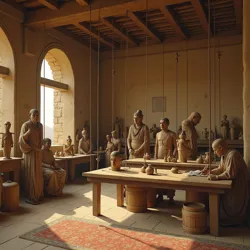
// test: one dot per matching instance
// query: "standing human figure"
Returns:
(7, 140)
(30, 142)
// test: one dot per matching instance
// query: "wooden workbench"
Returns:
(164, 179)
(70, 162)
(161, 164)
(11, 165)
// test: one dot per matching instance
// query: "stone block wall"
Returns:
(58, 100)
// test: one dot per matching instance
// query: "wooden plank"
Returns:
(96, 199)
(201, 14)
(4, 71)
(174, 23)
(53, 84)
(118, 31)
(146, 28)
(93, 33)
(83, 2)
(238, 6)
(214, 209)
(71, 13)
(53, 5)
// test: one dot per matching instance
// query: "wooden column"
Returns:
(246, 80)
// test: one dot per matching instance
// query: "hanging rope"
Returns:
(44, 85)
(113, 78)
(176, 88)
(97, 97)
(187, 65)
(214, 31)
(146, 88)
(90, 80)
(163, 78)
(209, 81)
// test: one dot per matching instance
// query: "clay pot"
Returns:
(146, 156)
(174, 160)
(174, 170)
(207, 158)
(143, 169)
(199, 160)
(149, 170)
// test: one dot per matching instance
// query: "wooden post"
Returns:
(214, 210)
(96, 199)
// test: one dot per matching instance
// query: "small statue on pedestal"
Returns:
(109, 149)
(69, 148)
(240, 136)
(183, 147)
(7, 140)
(224, 127)
(233, 127)
(205, 133)
(77, 139)
(85, 144)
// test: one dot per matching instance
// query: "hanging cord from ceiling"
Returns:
(44, 72)
(146, 87)
(176, 89)
(113, 77)
(215, 73)
(163, 80)
(90, 80)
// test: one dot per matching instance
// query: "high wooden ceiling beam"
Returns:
(92, 32)
(145, 27)
(71, 13)
(51, 4)
(167, 12)
(118, 31)
(201, 14)
(238, 6)
(83, 2)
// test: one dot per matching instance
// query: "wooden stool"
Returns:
(194, 218)
(10, 196)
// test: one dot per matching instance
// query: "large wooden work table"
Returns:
(161, 164)
(11, 165)
(70, 162)
(163, 179)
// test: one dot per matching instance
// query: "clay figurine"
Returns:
(69, 148)
(208, 158)
(183, 147)
(232, 130)
(199, 160)
(240, 136)
(205, 133)
(7, 140)
(224, 127)
(115, 159)
(109, 149)
(56, 154)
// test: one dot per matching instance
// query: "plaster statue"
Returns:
(115, 159)
(205, 133)
(233, 127)
(183, 147)
(224, 127)
(154, 130)
(138, 137)
(69, 148)
(85, 144)
(54, 176)
(7, 140)
(240, 136)
(116, 141)
(188, 125)
(109, 149)
(165, 142)
(77, 139)
(30, 142)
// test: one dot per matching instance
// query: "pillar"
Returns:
(246, 81)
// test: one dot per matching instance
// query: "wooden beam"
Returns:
(238, 6)
(54, 84)
(168, 13)
(11, 12)
(118, 31)
(146, 28)
(71, 13)
(4, 71)
(83, 2)
(201, 14)
(51, 4)
(93, 33)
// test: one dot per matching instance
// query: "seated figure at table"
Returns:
(109, 149)
(85, 144)
(232, 167)
(116, 141)
(68, 148)
(165, 142)
(138, 137)
(54, 176)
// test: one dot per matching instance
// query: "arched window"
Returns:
(56, 96)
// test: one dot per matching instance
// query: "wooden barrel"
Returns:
(151, 197)
(10, 196)
(194, 218)
(136, 199)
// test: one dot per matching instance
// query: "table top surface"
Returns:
(69, 157)
(162, 162)
(2, 159)
(163, 176)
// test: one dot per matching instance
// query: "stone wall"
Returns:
(58, 100)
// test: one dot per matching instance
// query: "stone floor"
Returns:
(76, 201)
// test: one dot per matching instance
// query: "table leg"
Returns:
(96, 199)
(72, 167)
(92, 163)
(120, 196)
(66, 168)
(214, 214)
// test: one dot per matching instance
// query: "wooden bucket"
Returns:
(199, 197)
(151, 197)
(194, 218)
(136, 199)
(10, 196)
